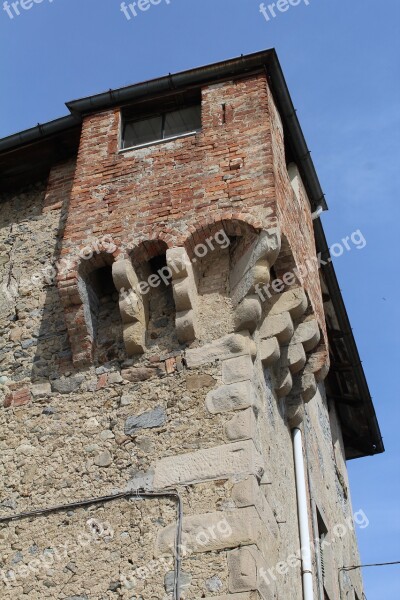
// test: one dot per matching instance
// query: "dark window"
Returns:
(161, 126)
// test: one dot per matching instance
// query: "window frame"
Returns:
(124, 121)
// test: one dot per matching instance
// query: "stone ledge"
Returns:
(234, 344)
(219, 462)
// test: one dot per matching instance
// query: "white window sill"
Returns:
(158, 142)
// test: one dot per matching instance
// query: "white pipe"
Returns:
(307, 575)
(317, 213)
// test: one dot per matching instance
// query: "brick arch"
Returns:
(146, 250)
(98, 261)
(73, 266)
(233, 224)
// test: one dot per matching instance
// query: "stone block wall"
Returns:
(193, 385)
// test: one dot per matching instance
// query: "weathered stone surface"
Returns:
(226, 347)
(242, 570)
(199, 382)
(295, 412)
(293, 301)
(248, 314)
(135, 374)
(269, 351)
(127, 399)
(67, 385)
(279, 326)
(248, 493)
(185, 580)
(147, 420)
(247, 273)
(308, 334)
(114, 378)
(236, 396)
(243, 426)
(284, 382)
(214, 463)
(179, 263)
(213, 531)
(103, 459)
(141, 481)
(182, 295)
(237, 369)
(20, 397)
(134, 338)
(248, 571)
(214, 584)
(294, 357)
(318, 363)
(124, 275)
(41, 390)
(305, 385)
(185, 293)
(185, 328)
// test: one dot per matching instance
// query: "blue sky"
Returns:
(341, 62)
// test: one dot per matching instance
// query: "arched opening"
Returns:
(150, 264)
(215, 251)
(101, 306)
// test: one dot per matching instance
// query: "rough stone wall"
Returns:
(209, 415)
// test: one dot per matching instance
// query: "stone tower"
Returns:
(173, 330)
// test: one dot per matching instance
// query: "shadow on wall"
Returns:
(31, 228)
(148, 259)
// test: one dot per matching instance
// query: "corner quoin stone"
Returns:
(237, 369)
(213, 531)
(220, 462)
(236, 396)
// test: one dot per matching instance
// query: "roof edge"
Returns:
(351, 346)
(34, 134)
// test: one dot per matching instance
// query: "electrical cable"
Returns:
(397, 562)
(138, 495)
(354, 567)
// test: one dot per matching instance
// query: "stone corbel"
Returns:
(253, 270)
(278, 342)
(132, 306)
(185, 293)
(305, 384)
(254, 266)
(290, 341)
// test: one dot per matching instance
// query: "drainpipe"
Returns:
(307, 576)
